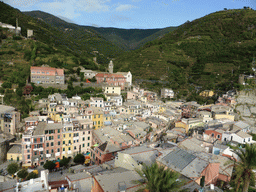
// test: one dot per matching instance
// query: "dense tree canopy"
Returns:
(79, 158)
(12, 168)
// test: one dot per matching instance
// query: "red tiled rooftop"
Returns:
(57, 184)
(109, 75)
(60, 71)
(42, 68)
(51, 70)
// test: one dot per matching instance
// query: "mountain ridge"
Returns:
(126, 39)
(211, 52)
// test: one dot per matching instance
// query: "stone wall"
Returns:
(246, 107)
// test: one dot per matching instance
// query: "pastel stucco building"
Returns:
(9, 119)
(111, 79)
(167, 93)
(47, 75)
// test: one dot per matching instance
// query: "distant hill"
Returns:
(130, 39)
(210, 51)
(126, 39)
(49, 45)
(84, 38)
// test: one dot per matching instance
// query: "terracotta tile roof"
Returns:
(109, 75)
(42, 68)
(51, 70)
(57, 184)
(60, 71)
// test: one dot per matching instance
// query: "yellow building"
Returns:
(189, 124)
(2, 124)
(57, 117)
(67, 140)
(112, 90)
(207, 93)
(161, 109)
(107, 119)
(144, 99)
(180, 124)
(15, 153)
(224, 116)
(97, 118)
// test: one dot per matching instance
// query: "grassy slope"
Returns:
(203, 52)
(84, 38)
(126, 39)
(52, 46)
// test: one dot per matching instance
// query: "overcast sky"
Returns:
(142, 14)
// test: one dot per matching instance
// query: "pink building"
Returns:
(53, 140)
(111, 79)
(104, 152)
(31, 122)
(26, 148)
(33, 147)
(47, 75)
(82, 139)
(132, 95)
(82, 136)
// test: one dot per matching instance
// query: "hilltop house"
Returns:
(167, 93)
(46, 75)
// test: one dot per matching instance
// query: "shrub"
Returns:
(49, 165)
(79, 158)
(32, 175)
(22, 173)
(16, 37)
(12, 168)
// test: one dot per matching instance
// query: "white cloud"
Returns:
(125, 7)
(94, 25)
(118, 18)
(92, 5)
(65, 19)
(21, 3)
(73, 8)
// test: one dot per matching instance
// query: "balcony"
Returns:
(48, 155)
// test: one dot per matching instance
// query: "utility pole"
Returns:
(16, 27)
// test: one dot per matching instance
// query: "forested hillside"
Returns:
(210, 52)
(126, 39)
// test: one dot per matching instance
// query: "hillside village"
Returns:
(101, 144)
(118, 136)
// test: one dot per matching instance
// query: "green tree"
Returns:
(79, 158)
(86, 96)
(12, 168)
(32, 175)
(244, 168)
(64, 162)
(78, 71)
(81, 75)
(93, 79)
(159, 179)
(22, 173)
(7, 85)
(50, 165)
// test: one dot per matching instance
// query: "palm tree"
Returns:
(159, 179)
(245, 166)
